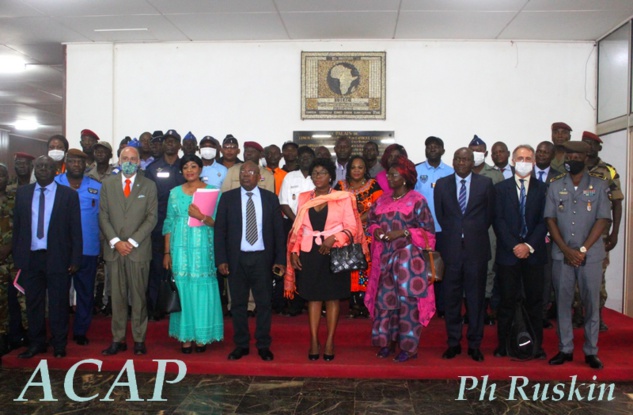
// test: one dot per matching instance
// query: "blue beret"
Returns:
(476, 141)
(190, 136)
(134, 143)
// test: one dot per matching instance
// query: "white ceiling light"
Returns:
(26, 125)
(12, 64)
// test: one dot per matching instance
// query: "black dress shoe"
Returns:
(266, 354)
(81, 340)
(250, 313)
(561, 358)
(500, 352)
(593, 361)
(238, 353)
(32, 351)
(186, 350)
(540, 354)
(476, 355)
(139, 348)
(201, 349)
(452, 351)
(59, 353)
(328, 357)
(114, 348)
(313, 356)
(547, 324)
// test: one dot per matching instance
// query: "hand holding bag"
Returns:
(432, 261)
(349, 257)
(168, 297)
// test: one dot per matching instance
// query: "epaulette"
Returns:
(560, 176)
(598, 175)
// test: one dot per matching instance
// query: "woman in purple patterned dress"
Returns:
(399, 297)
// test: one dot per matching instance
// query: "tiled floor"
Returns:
(209, 394)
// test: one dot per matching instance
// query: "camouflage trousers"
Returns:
(6, 278)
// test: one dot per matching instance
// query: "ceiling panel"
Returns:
(548, 25)
(230, 26)
(336, 5)
(159, 28)
(213, 6)
(91, 7)
(626, 6)
(451, 25)
(36, 29)
(463, 5)
(341, 25)
(16, 8)
(45, 52)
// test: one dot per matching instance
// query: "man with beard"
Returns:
(370, 154)
(213, 173)
(561, 133)
(47, 246)
(290, 153)
(429, 172)
(88, 140)
(343, 150)
(83, 280)
(145, 149)
(165, 173)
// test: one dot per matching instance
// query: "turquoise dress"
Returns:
(193, 265)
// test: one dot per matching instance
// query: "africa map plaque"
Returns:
(343, 85)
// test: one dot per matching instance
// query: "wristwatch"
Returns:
(583, 250)
(407, 233)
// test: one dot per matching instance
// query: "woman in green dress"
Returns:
(189, 254)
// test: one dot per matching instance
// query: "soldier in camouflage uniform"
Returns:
(597, 166)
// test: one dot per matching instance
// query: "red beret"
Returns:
(254, 145)
(89, 133)
(591, 136)
(24, 156)
(562, 125)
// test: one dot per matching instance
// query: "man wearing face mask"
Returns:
(127, 216)
(521, 253)
(577, 211)
(213, 173)
(479, 148)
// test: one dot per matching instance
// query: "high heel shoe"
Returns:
(314, 356)
(201, 349)
(186, 350)
(328, 357)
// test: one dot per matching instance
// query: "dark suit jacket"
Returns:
(507, 221)
(550, 174)
(228, 229)
(128, 217)
(473, 224)
(64, 240)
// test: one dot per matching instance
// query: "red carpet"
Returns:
(355, 357)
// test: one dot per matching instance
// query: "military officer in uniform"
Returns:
(577, 211)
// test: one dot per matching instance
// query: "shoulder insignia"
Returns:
(612, 171)
(597, 175)
(560, 176)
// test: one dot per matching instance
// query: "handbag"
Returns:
(348, 258)
(433, 262)
(168, 297)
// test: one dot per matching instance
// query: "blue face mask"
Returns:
(128, 168)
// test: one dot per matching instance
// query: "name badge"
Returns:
(162, 174)
(92, 191)
(204, 179)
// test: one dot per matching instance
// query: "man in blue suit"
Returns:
(464, 207)
(521, 250)
(249, 244)
(47, 248)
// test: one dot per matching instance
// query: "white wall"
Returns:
(498, 90)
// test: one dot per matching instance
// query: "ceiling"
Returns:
(36, 29)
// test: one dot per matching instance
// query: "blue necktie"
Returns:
(462, 196)
(40, 215)
(522, 207)
(540, 176)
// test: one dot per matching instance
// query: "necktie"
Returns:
(462, 196)
(522, 207)
(40, 215)
(540, 176)
(251, 220)
(126, 190)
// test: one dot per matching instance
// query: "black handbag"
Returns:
(168, 298)
(348, 258)
(433, 262)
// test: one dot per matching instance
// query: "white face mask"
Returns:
(479, 157)
(208, 153)
(523, 168)
(56, 155)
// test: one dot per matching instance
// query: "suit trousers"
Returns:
(128, 278)
(37, 281)
(589, 278)
(521, 280)
(252, 273)
(84, 284)
(465, 277)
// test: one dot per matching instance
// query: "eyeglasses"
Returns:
(319, 173)
(248, 172)
(393, 175)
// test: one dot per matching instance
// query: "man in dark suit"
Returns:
(249, 244)
(128, 212)
(47, 248)
(521, 251)
(464, 206)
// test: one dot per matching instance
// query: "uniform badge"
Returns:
(93, 191)
(589, 206)
(219, 174)
(424, 178)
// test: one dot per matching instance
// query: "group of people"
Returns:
(537, 226)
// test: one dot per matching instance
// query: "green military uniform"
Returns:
(558, 165)
(12, 186)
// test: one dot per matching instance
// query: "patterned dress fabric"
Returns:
(194, 270)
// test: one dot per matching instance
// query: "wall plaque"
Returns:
(343, 85)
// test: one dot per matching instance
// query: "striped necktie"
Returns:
(251, 220)
(462, 196)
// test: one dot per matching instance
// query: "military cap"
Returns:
(433, 139)
(21, 155)
(591, 136)
(229, 139)
(105, 145)
(89, 133)
(557, 125)
(476, 141)
(134, 143)
(208, 138)
(576, 147)
(172, 133)
(253, 144)
(76, 153)
(190, 136)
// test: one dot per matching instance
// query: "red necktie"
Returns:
(127, 190)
